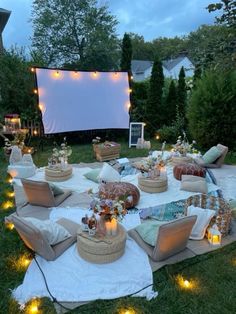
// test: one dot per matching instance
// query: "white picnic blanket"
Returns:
(80, 184)
(72, 279)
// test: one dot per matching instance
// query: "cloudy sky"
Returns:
(150, 18)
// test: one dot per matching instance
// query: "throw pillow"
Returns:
(109, 174)
(55, 189)
(52, 231)
(204, 217)
(93, 175)
(211, 155)
(193, 184)
(232, 204)
(148, 231)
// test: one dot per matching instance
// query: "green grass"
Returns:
(214, 274)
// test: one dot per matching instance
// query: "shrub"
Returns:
(170, 133)
(212, 111)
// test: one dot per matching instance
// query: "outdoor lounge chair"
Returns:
(218, 162)
(172, 238)
(36, 241)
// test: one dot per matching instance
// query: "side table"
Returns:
(101, 249)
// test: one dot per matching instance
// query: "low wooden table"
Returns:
(101, 249)
(58, 175)
(156, 185)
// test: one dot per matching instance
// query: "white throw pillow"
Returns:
(109, 174)
(204, 217)
(52, 231)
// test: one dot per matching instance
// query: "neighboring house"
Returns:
(4, 16)
(142, 70)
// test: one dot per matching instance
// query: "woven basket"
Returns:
(223, 211)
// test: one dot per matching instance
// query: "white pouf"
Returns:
(21, 171)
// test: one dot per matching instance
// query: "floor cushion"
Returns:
(187, 168)
(120, 190)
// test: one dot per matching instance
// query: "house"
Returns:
(142, 69)
(4, 16)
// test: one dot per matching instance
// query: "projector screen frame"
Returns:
(34, 69)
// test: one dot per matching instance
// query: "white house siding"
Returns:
(188, 68)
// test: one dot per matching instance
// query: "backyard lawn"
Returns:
(212, 276)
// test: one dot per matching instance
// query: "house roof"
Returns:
(4, 16)
(139, 66)
(171, 63)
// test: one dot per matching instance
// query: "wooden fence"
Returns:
(35, 128)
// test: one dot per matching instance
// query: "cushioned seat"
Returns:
(190, 169)
(39, 193)
(36, 240)
(120, 190)
(172, 238)
(218, 161)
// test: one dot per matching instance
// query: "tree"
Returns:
(16, 85)
(75, 32)
(153, 109)
(126, 56)
(170, 104)
(212, 112)
(181, 93)
(228, 7)
(197, 74)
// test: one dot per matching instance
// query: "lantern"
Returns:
(214, 236)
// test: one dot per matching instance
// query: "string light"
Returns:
(21, 263)
(35, 132)
(185, 284)
(9, 180)
(35, 91)
(32, 70)
(7, 204)
(9, 225)
(131, 77)
(130, 90)
(33, 307)
(10, 194)
(127, 311)
(157, 137)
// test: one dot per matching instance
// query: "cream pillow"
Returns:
(193, 184)
(52, 231)
(109, 174)
(204, 217)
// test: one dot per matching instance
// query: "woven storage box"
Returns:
(157, 185)
(106, 151)
(101, 250)
(58, 175)
(222, 208)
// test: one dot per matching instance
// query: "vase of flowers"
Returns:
(60, 155)
(182, 147)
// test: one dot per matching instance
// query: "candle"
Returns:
(113, 226)
(108, 227)
(163, 171)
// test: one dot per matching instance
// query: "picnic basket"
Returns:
(223, 211)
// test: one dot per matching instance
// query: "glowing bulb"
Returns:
(33, 309)
(35, 132)
(35, 91)
(127, 311)
(7, 204)
(9, 180)
(41, 107)
(186, 283)
(95, 74)
(57, 74)
(130, 90)
(9, 225)
(157, 137)
(131, 77)
(26, 262)
(29, 151)
(10, 194)
(32, 70)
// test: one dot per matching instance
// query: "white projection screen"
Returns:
(75, 101)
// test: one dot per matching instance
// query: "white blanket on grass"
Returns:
(80, 184)
(72, 279)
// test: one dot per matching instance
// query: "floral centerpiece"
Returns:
(182, 146)
(18, 140)
(109, 209)
(60, 155)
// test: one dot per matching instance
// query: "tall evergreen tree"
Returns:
(181, 93)
(170, 104)
(154, 102)
(126, 56)
(197, 74)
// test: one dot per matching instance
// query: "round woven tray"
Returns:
(58, 175)
(223, 211)
(157, 185)
(101, 250)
